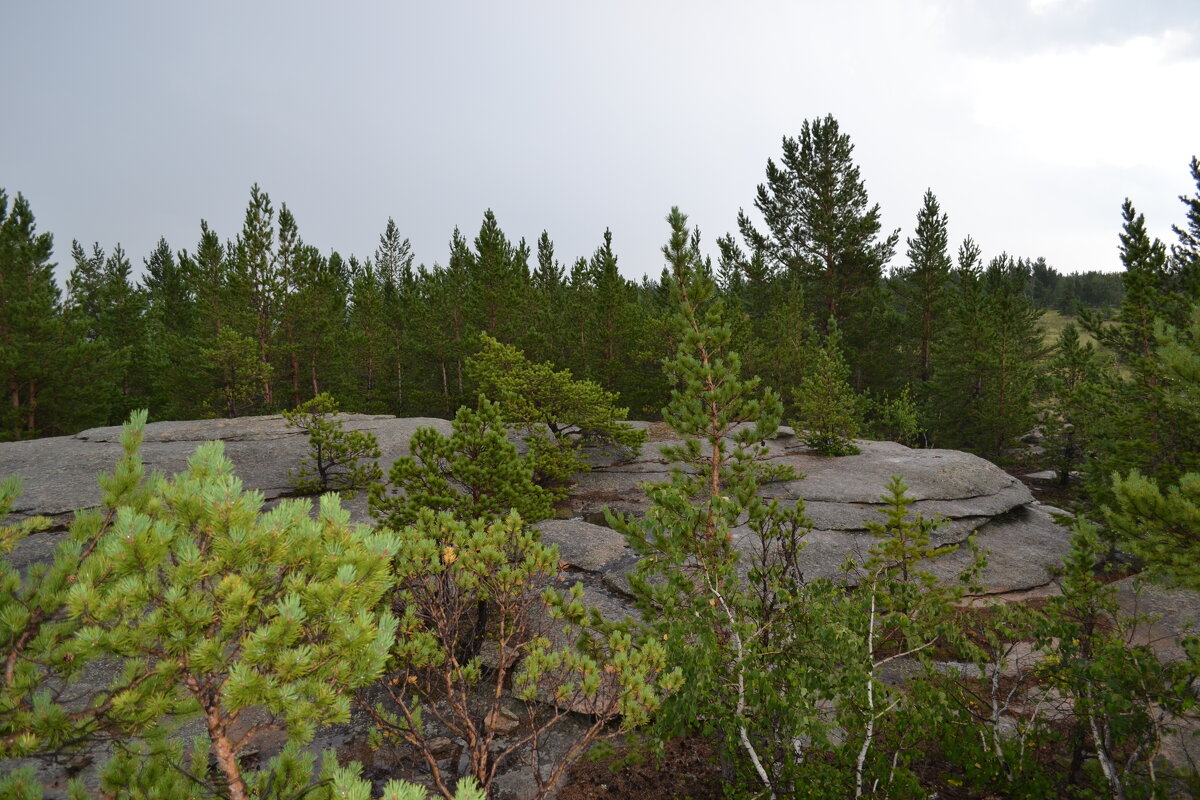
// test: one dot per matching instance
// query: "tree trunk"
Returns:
(33, 404)
(16, 404)
(294, 357)
(399, 387)
(223, 753)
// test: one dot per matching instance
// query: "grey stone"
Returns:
(583, 545)
(1024, 548)
(1164, 616)
(59, 473)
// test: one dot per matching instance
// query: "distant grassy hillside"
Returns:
(1053, 323)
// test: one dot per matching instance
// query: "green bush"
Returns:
(335, 460)
(555, 413)
(826, 411)
(475, 473)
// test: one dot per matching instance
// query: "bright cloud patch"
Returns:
(1123, 105)
(1048, 6)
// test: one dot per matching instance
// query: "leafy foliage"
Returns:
(475, 473)
(827, 412)
(472, 622)
(727, 636)
(1161, 527)
(335, 456)
(555, 413)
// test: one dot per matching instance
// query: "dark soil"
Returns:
(688, 769)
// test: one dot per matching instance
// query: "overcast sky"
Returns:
(1030, 119)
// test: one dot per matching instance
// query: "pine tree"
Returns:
(821, 227)
(827, 413)
(1186, 252)
(498, 282)
(551, 297)
(1160, 527)
(33, 337)
(475, 473)
(731, 638)
(322, 288)
(216, 607)
(988, 354)
(370, 342)
(172, 335)
(555, 414)
(1072, 376)
(393, 262)
(1149, 283)
(290, 305)
(42, 707)
(259, 282)
(613, 334)
(1141, 419)
(335, 454)
(461, 582)
(922, 287)
(111, 311)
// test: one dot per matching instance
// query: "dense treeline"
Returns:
(931, 334)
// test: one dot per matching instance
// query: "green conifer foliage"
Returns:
(475, 473)
(894, 419)
(555, 413)
(1071, 378)
(827, 413)
(1145, 416)
(41, 709)
(897, 610)
(239, 373)
(464, 585)
(32, 334)
(988, 359)
(820, 225)
(1125, 699)
(734, 640)
(1161, 527)
(336, 455)
(922, 286)
(1187, 252)
(216, 607)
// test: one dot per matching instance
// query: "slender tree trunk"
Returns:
(16, 405)
(33, 404)
(264, 358)
(926, 335)
(399, 387)
(294, 358)
(223, 753)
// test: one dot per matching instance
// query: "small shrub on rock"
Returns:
(338, 460)
(555, 413)
(475, 473)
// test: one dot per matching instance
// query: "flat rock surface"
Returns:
(59, 473)
(841, 494)
(1166, 615)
